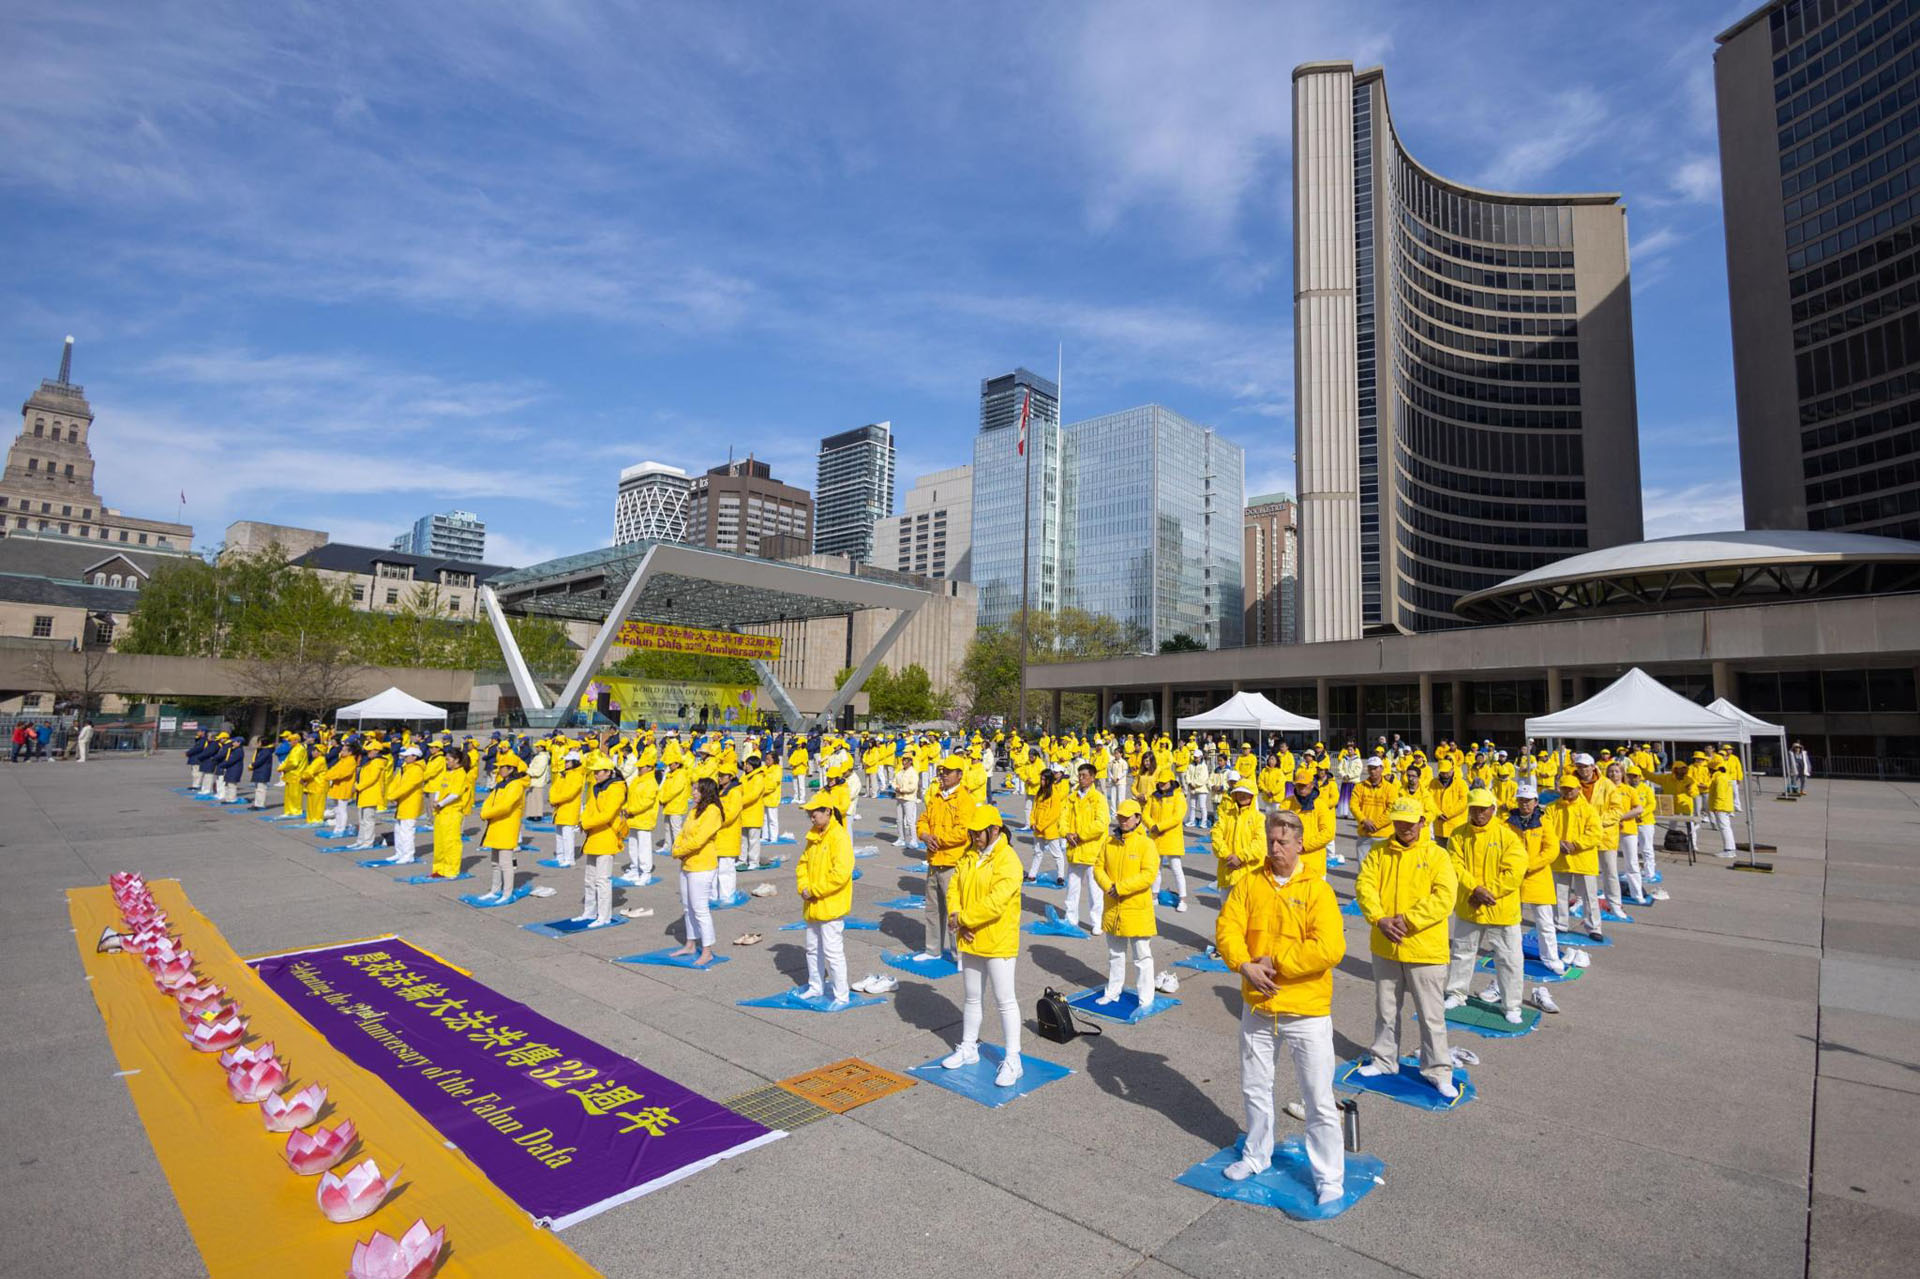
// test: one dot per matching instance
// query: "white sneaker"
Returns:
(812, 992)
(1542, 1000)
(1446, 1087)
(1556, 967)
(1579, 959)
(1374, 1066)
(1238, 1170)
(1327, 1194)
(763, 890)
(1297, 1110)
(1491, 995)
(1513, 1017)
(964, 1055)
(1455, 1001)
(924, 957)
(1181, 906)
(1107, 998)
(1009, 1073)
(1662, 895)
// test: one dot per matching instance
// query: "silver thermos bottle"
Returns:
(1350, 1122)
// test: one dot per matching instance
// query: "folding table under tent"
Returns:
(394, 705)
(1248, 713)
(1639, 707)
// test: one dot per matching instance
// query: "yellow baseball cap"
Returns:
(953, 764)
(983, 816)
(1128, 808)
(1406, 810)
(820, 799)
(1480, 797)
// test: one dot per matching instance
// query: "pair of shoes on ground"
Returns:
(1541, 999)
(1241, 1170)
(874, 984)
(967, 1054)
(748, 939)
(762, 890)
(637, 912)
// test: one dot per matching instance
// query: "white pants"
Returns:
(1648, 866)
(564, 842)
(1310, 1041)
(597, 894)
(403, 833)
(770, 824)
(1080, 880)
(675, 821)
(1584, 887)
(975, 972)
(1141, 949)
(503, 871)
(824, 946)
(1504, 941)
(1723, 822)
(1737, 788)
(193, 775)
(1116, 791)
(1179, 870)
(725, 881)
(229, 792)
(1055, 848)
(1199, 807)
(368, 828)
(751, 840)
(640, 853)
(1610, 876)
(799, 789)
(1424, 985)
(907, 821)
(1545, 934)
(340, 813)
(696, 891)
(259, 794)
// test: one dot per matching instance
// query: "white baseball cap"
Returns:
(1526, 790)
(1583, 761)
(1376, 762)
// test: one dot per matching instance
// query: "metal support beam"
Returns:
(778, 692)
(510, 649)
(845, 693)
(596, 652)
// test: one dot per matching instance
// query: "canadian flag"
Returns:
(1026, 403)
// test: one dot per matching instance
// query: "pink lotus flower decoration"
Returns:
(218, 1036)
(414, 1255)
(197, 1000)
(244, 1056)
(161, 949)
(120, 880)
(308, 1153)
(255, 1081)
(171, 974)
(285, 1113)
(355, 1195)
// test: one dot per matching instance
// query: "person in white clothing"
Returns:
(1116, 779)
(906, 795)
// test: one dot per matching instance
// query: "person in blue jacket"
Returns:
(263, 761)
(195, 749)
(232, 765)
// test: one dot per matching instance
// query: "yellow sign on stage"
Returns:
(690, 639)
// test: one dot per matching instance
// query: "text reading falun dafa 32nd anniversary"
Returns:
(690, 639)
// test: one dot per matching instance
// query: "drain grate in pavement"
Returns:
(775, 1107)
(846, 1084)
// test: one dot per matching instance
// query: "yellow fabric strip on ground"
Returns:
(249, 1213)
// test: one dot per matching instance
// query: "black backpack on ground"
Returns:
(1053, 1018)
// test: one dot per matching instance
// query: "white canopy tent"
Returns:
(1639, 707)
(1248, 713)
(1756, 727)
(392, 704)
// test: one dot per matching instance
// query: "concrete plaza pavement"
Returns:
(1734, 1088)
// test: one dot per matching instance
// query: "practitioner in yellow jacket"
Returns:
(1574, 829)
(313, 784)
(1372, 796)
(370, 794)
(407, 789)
(986, 924)
(823, 877)
(1238, 838)
(697, 850)
(1128, 864)
(1489, 865)
(603, 818)
(449, 810)
(1281, 931)
(1165, 811)
(1308, 803)
(1406, 891)
(292, 767)
(569, 783)
(1528, 822)
(505, 806)
(340, 776)
(943, 830)
(1089, 822)
(643, 814)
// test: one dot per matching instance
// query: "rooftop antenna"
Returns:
(66, 360)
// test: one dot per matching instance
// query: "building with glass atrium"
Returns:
(1819, 106)
(1463, 371)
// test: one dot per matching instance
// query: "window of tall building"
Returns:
(43, 626)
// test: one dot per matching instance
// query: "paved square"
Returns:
(1734, 1090)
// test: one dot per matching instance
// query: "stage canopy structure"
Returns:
(1249, 713)
(672, 584)
(393, 705)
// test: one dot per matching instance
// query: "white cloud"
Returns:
(1711, 507)
(1697, 179)
(1564, 125)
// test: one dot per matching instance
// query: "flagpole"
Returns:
(1026, 557)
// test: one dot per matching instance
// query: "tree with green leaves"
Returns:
(990, 673)
(1182, 643)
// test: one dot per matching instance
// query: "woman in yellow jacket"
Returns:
(370, 794)
(676, 793)
(340, 786)
(603, 818)
(824, 879)
(1047, 814)
(1281, 931)
(1089, 822)
(1309, 802)
(569, 782)
(505, 806)
(1625, 811)
(697, 850)
(449, 811)
(292, 768)
(733, 799)
(407, 789)
(753, 809)
(1128, 865)
(643, 814)
(1573, 828)
(1528, 822)
(1239, 837)
(1165, 811)
(1406, 890)
(313, 784)
(985, 904)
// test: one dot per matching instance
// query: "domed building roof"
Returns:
(1702, 570)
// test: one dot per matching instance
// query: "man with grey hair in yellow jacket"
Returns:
(1406, 889)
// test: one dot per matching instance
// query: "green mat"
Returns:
(1490, 1021)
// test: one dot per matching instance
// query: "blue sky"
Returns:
(340, 264)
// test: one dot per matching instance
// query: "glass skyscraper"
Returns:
(999, 488)
(854, 491)
(1819, 106)
(1463, 372)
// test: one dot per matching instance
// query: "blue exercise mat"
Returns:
(539, 824)
(370, 863)
(569, 927)
(784, 839)
(1641, 902)
(1287, 1183)
(1167, 897)
(856, 873)
(1537, 971)
(1607, 914)
(1655, 878)
(936, 967)
(857, 853)
(793, 1001)
(1489, 1022)
(1053, 926)
(429, 878)
(768, 863)
(734, 902)
(1408, 1086)
(1125, 1008)
(485, 901)
(665, 958)
(909, 902)
(975, 1081)
(1203, 963)
(1530, 943)
(852, 923)
(1047, 881)
(1351, 907)
(628, 881)
(554, 863)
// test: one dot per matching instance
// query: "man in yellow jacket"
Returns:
(823, 876)
(370, 794)
(1088, 824)
(340, 786)
(1574, 828)
(943, 830)
(986, 923)
(1165, 811)
(1527, 821)
(1281, 931)
(1372, 796)
(1125, 871)
(603, 819)
(1239, 837)
(407, 789)
(1490, 864)
(643, 814)
(1406, 889)
(500, 817)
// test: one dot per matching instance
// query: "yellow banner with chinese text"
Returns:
(691, 639)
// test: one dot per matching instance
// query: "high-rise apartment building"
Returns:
(934, 537)
(1463, 372)
(48, 482)
(452, 535)
(854, 491)
(1001, 473)
(651, 504)
(732, 507)
(1270, 570)
(1819, 133)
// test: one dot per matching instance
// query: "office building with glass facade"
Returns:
(1819, 106)
(451, 535)
(1000, 478)
(651, 503)
(1463, 372)
(854, 491)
